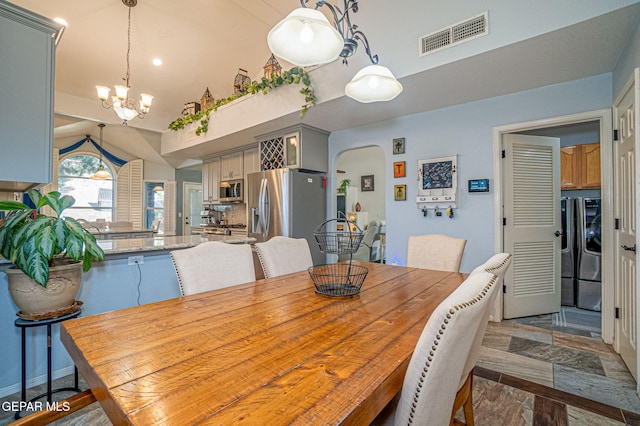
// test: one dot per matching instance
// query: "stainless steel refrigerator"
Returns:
(589, 266)
(287, 202)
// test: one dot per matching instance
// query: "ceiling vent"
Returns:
(466, 30)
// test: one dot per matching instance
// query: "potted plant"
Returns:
(49, 252)
(344, 184)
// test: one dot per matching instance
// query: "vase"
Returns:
(37, 302)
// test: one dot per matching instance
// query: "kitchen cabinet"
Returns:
(27, 49)
(231, 166)
(251, 161)
(590, 170)
(580, 166)
(297, 147)
(210, 180)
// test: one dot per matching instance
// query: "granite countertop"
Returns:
(135, 245)
(117, 230)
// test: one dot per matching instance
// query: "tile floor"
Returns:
(531, 372)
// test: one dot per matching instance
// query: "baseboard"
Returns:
(35, 381)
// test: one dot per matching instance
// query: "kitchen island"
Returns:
(134, 272)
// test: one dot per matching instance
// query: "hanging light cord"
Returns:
(126, 79)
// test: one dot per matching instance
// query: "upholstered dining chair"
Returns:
(283, 255)
(435, 384)
(364, 251)
(496, 264)
(213, 265)
(435, 251)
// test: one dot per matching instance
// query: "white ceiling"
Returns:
(204, 42)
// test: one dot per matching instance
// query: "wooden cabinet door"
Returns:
(231, 166)
(205, 182)
(570, 167)
(214, 179)
(590, 165)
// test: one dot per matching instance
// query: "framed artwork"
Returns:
(366, 183)
(399, 169)
(400, 192)
(398, 146)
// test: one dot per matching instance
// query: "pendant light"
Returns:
(305, 37)
(101, 174)
(125, 108)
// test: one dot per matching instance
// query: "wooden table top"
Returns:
(270, 352)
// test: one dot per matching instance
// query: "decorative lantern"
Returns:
(191, 108)
(272, 67)
(206, 99)
(241, 79)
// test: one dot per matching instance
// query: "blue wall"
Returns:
(465, 130)
(109, 285)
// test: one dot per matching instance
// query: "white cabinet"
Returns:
(231, 166)
(251, 161)
(27, 50)
(210, 180)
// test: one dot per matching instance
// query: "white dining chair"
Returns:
(283, 255)
(213, 265)
(496, 264)
(435, 251)
(435, 385)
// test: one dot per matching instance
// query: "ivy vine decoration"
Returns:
(295, 75)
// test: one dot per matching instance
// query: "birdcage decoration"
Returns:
(272, 67)
(239, 82)
(206, 100)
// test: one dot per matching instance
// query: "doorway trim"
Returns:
(604, 117)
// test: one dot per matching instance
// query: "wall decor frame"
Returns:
(367, 183)
(438, 180)
(398, 146)
(399, 169)
(399, 192)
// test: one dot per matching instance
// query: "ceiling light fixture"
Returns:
(101, 174)
(125, 108)
(305, 37)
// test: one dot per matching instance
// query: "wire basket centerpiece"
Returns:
(340, 279)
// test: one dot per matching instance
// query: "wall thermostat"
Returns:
(478, 185)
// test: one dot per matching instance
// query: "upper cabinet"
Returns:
(298, 147)
(251, 161)
(210, 180)
(580, 166)
(27, 49)
(231, 166)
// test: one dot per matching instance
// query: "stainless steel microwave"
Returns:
(231, 191)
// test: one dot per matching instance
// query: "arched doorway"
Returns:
(362, 174)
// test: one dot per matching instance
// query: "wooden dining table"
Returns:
(270, 352)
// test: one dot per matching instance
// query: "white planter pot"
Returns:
(33, 300)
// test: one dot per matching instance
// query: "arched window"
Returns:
(94, 197)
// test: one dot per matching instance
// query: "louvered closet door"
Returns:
(532, 214)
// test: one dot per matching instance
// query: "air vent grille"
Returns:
(466, 30)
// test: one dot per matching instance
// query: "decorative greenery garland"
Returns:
(295, 75)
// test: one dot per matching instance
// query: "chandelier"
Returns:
(101, 174)
(125, 108)
(305, 37)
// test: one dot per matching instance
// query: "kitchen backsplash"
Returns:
(233, 213)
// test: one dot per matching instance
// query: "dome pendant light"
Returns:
(305, 37)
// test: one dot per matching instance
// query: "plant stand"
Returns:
(23, 325)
